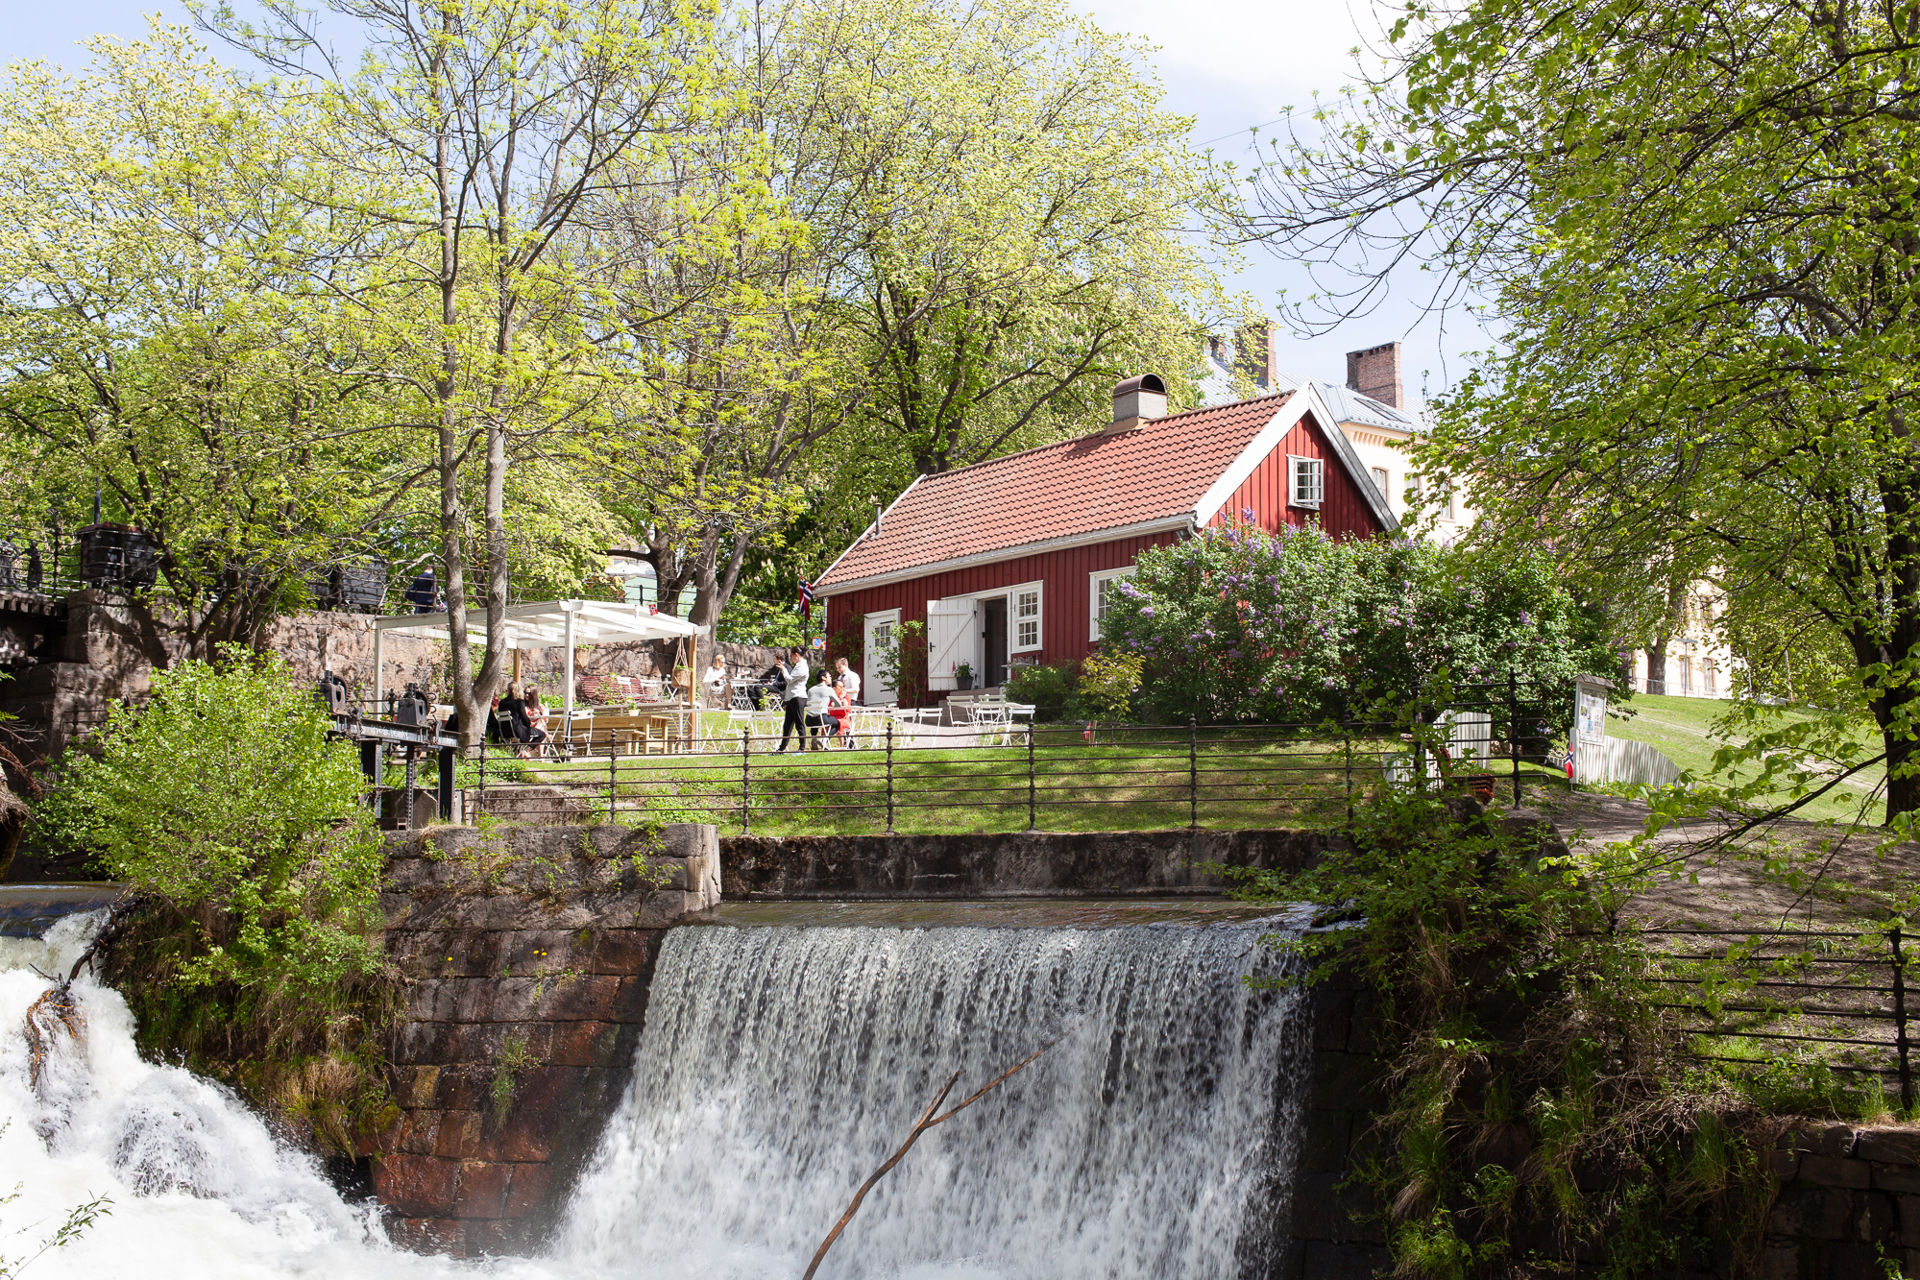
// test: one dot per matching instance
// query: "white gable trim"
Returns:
(1304, 398)
(869, 530)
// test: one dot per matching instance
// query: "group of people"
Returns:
(519, 718)
(817, 713)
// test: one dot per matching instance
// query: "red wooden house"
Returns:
(1012, 560)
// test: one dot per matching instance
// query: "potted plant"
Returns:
(963, 675)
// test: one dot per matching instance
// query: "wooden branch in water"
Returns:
(928, 1119)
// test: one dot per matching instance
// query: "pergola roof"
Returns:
(536, 626)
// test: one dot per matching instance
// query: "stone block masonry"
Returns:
(1021, 864)
(526, 953)
(1849, 1204)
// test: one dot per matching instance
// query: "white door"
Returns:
(882, 630)
(952, 634)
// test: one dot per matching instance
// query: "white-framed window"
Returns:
(1381, 482)
(1306, 482)
(1023, 618)
(1102, 588)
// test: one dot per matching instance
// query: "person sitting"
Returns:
(499, 723)
(716, 682)
(840, 708)
(537, 719)
(820, 724)
(512, 711)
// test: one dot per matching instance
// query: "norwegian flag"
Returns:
(806, 602)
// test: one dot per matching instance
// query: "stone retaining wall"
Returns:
(1021, 864)
(1849, 1204)
(526, 954)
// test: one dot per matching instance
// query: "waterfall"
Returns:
(778, 1067)
(781, 1065)
(199, 1188)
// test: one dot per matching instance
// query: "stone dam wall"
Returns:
(1022, 864)
(526, 953)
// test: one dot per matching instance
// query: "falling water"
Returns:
(780, 1066)
(197, 1186)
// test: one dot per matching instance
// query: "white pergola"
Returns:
(566, 623)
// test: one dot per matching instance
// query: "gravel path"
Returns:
(1801, 874)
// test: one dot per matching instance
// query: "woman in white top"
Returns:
(821, 725)
(716, 682)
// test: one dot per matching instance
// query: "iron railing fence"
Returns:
(1797, 998)
(1001, 777)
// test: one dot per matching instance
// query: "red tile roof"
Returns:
(1077, 487)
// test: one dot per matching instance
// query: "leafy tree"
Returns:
(225, 799)
(952, 230)
(493, 133)
(1694, 223)
(166, 345)
(1239, 624)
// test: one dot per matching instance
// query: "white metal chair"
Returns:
(994, 722)
(577, 734)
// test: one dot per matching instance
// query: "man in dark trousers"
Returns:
(794, 700)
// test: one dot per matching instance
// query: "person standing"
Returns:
(794, 700)
(848, 681)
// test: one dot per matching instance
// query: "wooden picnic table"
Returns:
(635, 731)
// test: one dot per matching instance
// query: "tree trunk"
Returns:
(1657, 666)
(13, 825)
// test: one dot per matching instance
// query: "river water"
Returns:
(780, 1065)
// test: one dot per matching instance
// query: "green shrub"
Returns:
(223, 797)
(1049, 689)
(1534, 1096)
(1240, 624)
(1108, 682)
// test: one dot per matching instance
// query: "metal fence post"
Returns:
(1346, 738)
(1901, 1043)
(613, 773)
(1513, 731)
(889, 777)
(1419, 741)
(1193, 774)
(1032, 820)
(746, 781)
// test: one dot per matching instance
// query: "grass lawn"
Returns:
(1127, 780)
(1684, 728)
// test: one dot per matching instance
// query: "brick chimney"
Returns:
(1138, 401)
(1376, 372)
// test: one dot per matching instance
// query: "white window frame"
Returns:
(1318, 494)
(1015, 618)
(1095, 581)
(1383, 481)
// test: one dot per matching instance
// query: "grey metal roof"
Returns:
(1216, 387)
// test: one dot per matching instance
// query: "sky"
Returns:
(1230, 64)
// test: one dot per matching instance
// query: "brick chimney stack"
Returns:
(1376, 372)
